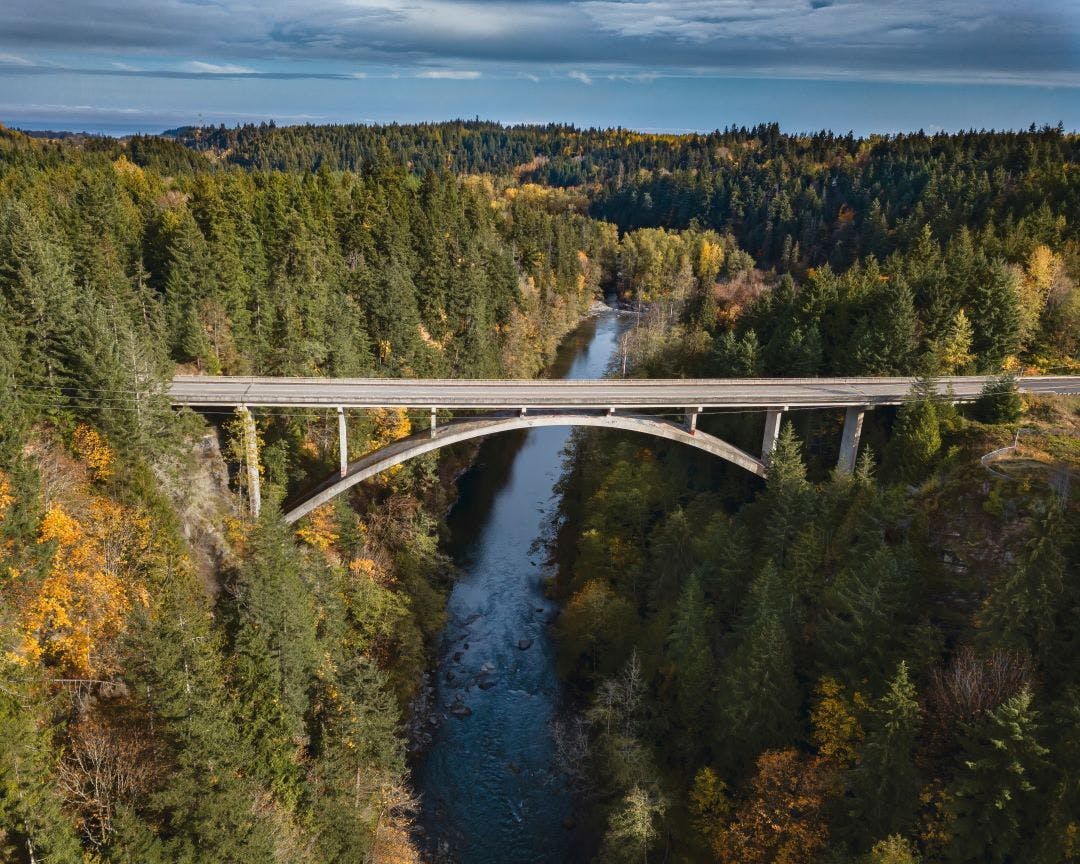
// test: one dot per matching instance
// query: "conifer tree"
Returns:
(999, 401)
(995, 316)
(787, 495)
(186, 279)
(758, 695)
(1025, 605)
(884, 782)
(274, 653)
(916, 438)
(692, 657)
(995, 797)
(34, 825)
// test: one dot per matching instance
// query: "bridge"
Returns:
(526, 404)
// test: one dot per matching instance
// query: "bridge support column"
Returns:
(432, 421)
(849, 441)
(691, 419)
(251, 458)
(343, 441)
(773, 416)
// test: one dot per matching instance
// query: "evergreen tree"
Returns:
(1025, 605)
(995, 802)
(999, 401)
(864, 612)
(787, 495)
(33, 825)
(916, 438)
(885, 341)
(187, 278)
(206, 810)
(995, 316)
(758, 694)
(884, 783)
(274, 654)
(689, 651)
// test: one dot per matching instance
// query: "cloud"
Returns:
(14, 60)
(982, 40)
(449, 74)
(201, 68)
(578, 75)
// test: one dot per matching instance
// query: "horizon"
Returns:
(120, 131)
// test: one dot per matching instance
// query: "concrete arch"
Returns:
(464, 430)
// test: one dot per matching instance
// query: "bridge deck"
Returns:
(210, 391)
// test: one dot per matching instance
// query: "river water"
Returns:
(489, 793)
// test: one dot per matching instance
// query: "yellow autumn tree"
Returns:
(369, 568)
(836, 730)
(93, 449)
(320, 528)
(6, 498)
(1042, 270)
(91, 585)
(954, 351)
(710, 806)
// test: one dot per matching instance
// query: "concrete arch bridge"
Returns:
(514, 404)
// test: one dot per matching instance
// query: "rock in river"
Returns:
(525, 644)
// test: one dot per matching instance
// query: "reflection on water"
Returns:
(487, 785)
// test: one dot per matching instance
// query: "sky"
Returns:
(122, 66)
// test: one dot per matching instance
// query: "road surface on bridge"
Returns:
(216, 391)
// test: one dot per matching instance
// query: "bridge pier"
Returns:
(251, 458)
(432, 421)
(691, 415)
(849, 441)
(773, 416)
(343, 441)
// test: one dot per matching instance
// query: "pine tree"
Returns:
(863, 614)
(206, 810)
(186, 279)
(758, 694)
(1024, 606)
(885, 341)
(995, 316)
(999, 401)
(274, 653)
(690, 652)
(34, 825)
(995, 802)
(787, 495)
(884, 783)
(916, 438)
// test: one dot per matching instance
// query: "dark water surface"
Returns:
(487, 784)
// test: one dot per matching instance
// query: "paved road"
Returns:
(208, 391)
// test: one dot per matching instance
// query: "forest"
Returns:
(869, 668)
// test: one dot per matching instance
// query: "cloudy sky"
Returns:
(862, 65)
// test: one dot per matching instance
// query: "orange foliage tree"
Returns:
(781, 820)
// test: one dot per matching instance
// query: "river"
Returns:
(488, 790)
